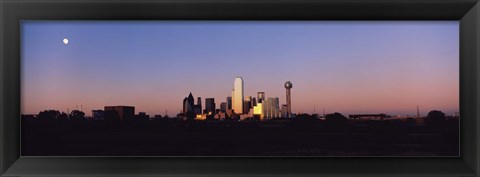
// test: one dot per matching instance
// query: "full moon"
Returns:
(65, 41)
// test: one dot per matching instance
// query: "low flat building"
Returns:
(119, 112)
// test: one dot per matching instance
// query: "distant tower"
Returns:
(199, 102)
(288, 87)
(229, 102)
(418, 112)
(198, 107)
(209, 106)
(238, 97)
(260, 97)
(188, 104)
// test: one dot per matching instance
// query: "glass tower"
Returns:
(238, 96)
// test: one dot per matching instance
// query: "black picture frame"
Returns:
(12, 12)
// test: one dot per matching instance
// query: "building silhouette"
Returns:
(238, 95)
(188, 105)
(260, 97)
(284, 110)
(271, 108)
(209, 106)
(119, 112)
(142, 116)
(247, 104)
(223, 107)
(229, 102)
(198, 106)
(288, 87)
(98, 114)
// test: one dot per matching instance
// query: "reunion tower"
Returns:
(288, 86)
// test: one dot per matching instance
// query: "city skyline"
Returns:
(391, 67)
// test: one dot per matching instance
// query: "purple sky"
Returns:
(347, 67)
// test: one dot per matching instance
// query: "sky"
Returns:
(350, 67)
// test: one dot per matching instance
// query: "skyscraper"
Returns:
(260, 97)
(223, 107)
(254, 102)
(209, 106)
(199, 102)
(271, 108)
(284, 110)
(229, 102)
(258, 110)
(198, 106)
(188, 104)
(247, 104)
(288, 86)
(238, 96)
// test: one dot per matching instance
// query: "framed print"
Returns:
(249, 88)
(204, 88)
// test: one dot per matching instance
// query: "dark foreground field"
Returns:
(273, 138)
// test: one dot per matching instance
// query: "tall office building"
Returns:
(288, 87)
(238, 96)
(284, 110)
(258, 110)
(209, 106)
(247, 104)
(260, 97)
(271, 108)
(198, 106)
(199, 102)
(188, 104)
(223, 107)
(229, 102)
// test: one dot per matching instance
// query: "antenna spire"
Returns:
(418, 112)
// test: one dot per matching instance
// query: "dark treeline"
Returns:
(56, 133)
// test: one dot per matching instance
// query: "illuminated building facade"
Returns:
(238, 95)
(258, 110)
(271, 108)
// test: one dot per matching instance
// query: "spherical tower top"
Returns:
(288, 85)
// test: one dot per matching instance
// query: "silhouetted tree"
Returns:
(48, 115)
(335, 116)
(435, 117)
(62, 116)
(336, 119)
(77, 115)
(178, 115)
(305, 117)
